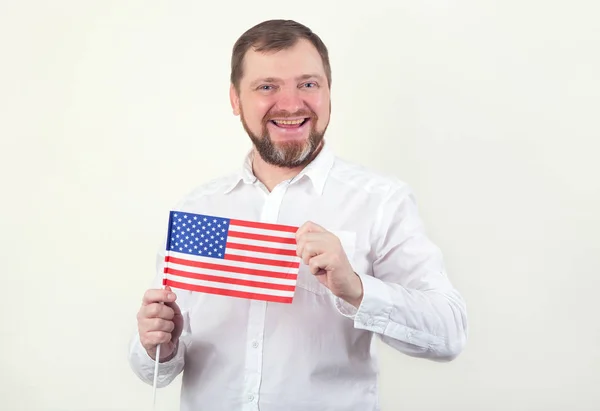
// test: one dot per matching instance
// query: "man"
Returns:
(368, 268)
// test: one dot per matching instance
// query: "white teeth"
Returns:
(289, 122)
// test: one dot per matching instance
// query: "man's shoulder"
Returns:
(215, 186)
(366, 178)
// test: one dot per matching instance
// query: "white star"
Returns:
(209, 253)
(220, 246)
(204, 218)
(180, 249)
(175, 214)
(220, 255)
(195, 247)
(183, 224)
(179, 220)
(185, 216)
(209, 224)
(188, 229)
(195, 217)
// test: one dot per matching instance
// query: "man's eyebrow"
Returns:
(309, 76)
(265, 80)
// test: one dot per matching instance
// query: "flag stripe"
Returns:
(228, 286)
(233, 272)
(230, 280)
(245, 259)
(259, 249)
(261, 231)
(264, 226)
(261, 237)
(229, 265)
(250, 241)
(230, 293)
(262, 256)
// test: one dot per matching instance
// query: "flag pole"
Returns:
(164, 282)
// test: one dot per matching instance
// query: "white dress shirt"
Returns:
(318, 352)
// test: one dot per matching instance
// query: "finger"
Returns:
(173, 306)
(305, 239)
(157, 310)
(309, 227)
(312, 249)
(154, 338)
(156, 324)
(318, 265)
(158, 296)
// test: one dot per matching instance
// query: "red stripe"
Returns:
(230, 293)
(264, 226)
(230, 269)
(261, 237)
(227, 280)
(264, 261)
(260, 249)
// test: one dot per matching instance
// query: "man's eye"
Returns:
(265, 87)
(309, 85)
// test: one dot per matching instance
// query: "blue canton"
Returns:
(197, 234)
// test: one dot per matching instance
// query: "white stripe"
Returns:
(276, 233)
(234, 287)
(227, 274)
(260, 243)
(254, 254)
(231, 263)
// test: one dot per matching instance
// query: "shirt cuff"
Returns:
(373, 313)
(144, 364)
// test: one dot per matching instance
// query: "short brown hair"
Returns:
(274, 35)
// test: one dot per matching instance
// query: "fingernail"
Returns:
(171, 296)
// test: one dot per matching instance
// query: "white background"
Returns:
(110, 111)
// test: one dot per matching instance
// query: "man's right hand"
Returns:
(160, 323)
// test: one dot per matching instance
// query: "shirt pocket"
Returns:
(307, 281)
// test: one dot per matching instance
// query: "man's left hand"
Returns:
(322, 251)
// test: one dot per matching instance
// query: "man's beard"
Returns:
(288, 154)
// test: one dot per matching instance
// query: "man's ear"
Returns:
(234, 98)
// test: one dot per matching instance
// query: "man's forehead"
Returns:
(302, 59)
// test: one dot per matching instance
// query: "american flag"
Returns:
(236, 258)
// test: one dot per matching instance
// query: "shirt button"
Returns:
(370, 321)
(250, 397)
(255, 344)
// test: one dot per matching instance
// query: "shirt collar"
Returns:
(317, 171)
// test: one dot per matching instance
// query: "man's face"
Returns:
(284, 103)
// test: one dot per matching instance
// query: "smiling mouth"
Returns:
(290, 123)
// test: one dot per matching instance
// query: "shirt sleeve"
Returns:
(409, 301)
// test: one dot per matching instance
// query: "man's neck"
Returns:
(271, 175)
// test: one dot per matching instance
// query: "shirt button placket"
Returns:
(256, 317)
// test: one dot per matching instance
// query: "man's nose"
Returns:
(290, 100)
